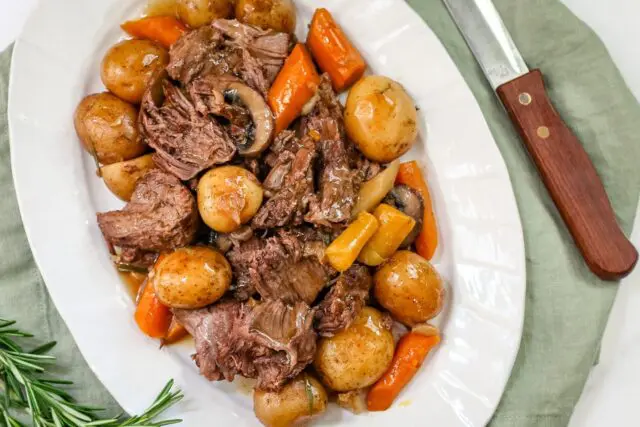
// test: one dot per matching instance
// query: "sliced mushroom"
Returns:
(217, 94)
(410, 202)
(224, 242)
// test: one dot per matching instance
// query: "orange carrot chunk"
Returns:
(294, 86)
(153, 317)
(333, 51)
(411, 351)
(427, 241)
(165, 30)
(175, 333)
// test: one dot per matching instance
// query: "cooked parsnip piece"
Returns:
(191, 277)
(297, 403)
(121, 178)
(409, 287)
(373, 191)
(228, 197)
(381, 118)
(394, 227)
(358, 356)
(343, 251)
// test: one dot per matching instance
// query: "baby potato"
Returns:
(191, 277)
(228, 197)
(409, 287)
(300, 400)
(128, 66)
(107, 125)
(381, 118)
(121, 178)
(196, 13)
(278, 15)
(358, 356)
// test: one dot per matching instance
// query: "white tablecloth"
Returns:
(613, 391)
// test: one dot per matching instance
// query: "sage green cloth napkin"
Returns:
(567, 307)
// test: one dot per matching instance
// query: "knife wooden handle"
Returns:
(570, 177)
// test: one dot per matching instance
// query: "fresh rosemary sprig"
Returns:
(24, 386)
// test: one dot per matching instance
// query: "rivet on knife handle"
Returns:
(570, 177)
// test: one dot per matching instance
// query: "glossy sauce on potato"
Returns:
(191, 277)
(380, 117)
(128, 66)
(107, 128)
(278, 15)
(196, 13)
(409, 287)
(228, 197)
(358, 356)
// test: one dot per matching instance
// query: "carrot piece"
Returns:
(427, 241)
(411, 351)
(294, 86)
(165, 30)
(153, 317)
(333, 51)
(175, 333)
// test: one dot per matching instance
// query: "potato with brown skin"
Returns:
(358, 356)
(191, 277)
(107, 128)
(278, 15)
(409, 287)
(197, 13)
(381, 118)
(121, 177)
(228, 197)
(128, 66)
(299, 401)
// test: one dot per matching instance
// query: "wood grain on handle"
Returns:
(570, 177)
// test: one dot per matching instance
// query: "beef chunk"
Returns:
(271, 341)
(263, 51)
(294, 188)
(344, 301)
(186, 141)
(286, 266)
(229, 47)
(339, 180)
(198, 52)
(161, 215)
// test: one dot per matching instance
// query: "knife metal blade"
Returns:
(489, 40)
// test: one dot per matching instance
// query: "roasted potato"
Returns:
(106, 125)
(373, 191)
(358, 356)
(128, 66)
(191, 277)
(121, 177)
(196, 13)
(409, 287)
(228, 197)
(381, 118)
(394, 227)
(278, 15)
(300, 400)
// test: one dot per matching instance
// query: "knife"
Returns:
(563, 164)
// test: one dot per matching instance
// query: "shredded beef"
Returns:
(286, 266)
(161, 215)
(288, 205)
(186, 141)
(229, 47)
(271, 341)
(344, 301)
